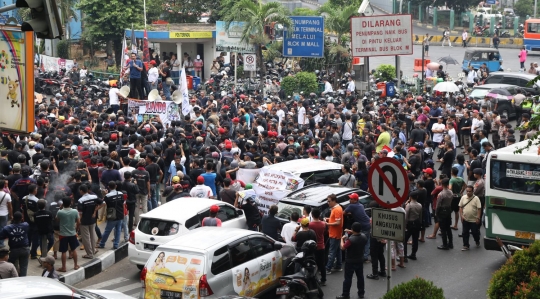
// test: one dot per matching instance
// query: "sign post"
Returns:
(389, 186)
(250, 62)
(306, 38)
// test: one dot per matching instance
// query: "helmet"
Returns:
(309, 246)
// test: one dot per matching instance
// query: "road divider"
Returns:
(471, 41)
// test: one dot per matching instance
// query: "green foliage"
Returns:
(338, 18)
(63, 49)
(273, 51)
(417, 288)
(240, 71)
(386, 72)
(529, 290)
(303, 11)
(515, 277)
(459, 6)
(523, 8)
(184, 11)
(302, 81)
(342, 3)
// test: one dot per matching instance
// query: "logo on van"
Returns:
(155, 231)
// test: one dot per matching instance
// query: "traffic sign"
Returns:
(306, 38)
(388, 224)
(250, 62)
(388, 182)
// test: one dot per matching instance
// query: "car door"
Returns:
(270, 262)
(245, 268)
(230, 218)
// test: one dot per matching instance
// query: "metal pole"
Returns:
(235, 69)
(535, 3)
(398, 60)
(14, 6)
(144, 6)
(388, 265)
(423, 68)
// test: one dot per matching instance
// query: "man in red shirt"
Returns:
(319, 227)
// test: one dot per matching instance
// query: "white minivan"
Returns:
(175, 218)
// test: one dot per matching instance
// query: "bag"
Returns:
(445, 212)
(111, 214)
(28, 211)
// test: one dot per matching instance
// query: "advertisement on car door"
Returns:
(173, 276)
(253, 277)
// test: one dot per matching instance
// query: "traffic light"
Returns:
(45, 20)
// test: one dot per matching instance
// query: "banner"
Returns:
(231, 40)
(273, 185)
(185, 95)
(167, 111)
(51, 64)
(247, 176)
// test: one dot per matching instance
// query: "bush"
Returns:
(517, 275)
(240, 71)
(417, 288)
(386, 72)
(529, 290)
(63, 49)
(303, 81)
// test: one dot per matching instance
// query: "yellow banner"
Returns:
(202, 34)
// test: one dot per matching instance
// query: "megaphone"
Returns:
(124, 91)
(177, 97)
(154, 95)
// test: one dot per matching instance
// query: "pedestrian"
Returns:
(444, 214)
(166, 80)
(464, 37)
(496, 41)
(7, 269)
(335, 228)
(131, 190)
(142, 178)
(201, 190)
(470, 210)
(69, 222)
(6, 210)
(303, 233)
(44, 222)
(87, 206)
(48, 267)
(135, 82)
(457, 185)
(17, 235)
(356, 210)
(287, 231)
(319, 227)
(414, 223)
(354, 244)
(446, 37)
(271, 226)
(115, 215)
(212, 220)
(522, 58)
(425, 42)
(153, 75)
(251, 211)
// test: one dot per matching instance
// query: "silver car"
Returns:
(211, 262)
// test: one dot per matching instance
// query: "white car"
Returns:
(31, 287)
(173, 219)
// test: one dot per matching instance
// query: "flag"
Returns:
(133, 41)
(123, 59)
(146, 51)
(185, 94)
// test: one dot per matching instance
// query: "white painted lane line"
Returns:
(128, 287)
(107, 283)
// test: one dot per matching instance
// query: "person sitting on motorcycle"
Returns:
(74, 76)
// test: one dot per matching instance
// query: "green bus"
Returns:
(512, 206)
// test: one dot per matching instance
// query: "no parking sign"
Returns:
(250, 62)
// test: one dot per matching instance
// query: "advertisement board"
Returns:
(229, 40)
(16, 80)
(381, 35)
(306, 38)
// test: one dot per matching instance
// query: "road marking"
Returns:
(108, 283)
(128, 287)
(134, 295)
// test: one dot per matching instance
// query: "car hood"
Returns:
(110, 294)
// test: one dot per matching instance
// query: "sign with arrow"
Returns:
(388, 183)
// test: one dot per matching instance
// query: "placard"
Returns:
(273, 185)
(167, 111)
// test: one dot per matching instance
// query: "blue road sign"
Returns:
(491, 2)
(306, 38)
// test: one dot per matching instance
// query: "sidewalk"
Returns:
(105, 258)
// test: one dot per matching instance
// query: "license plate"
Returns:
(526, 235)
(282, 291)
(170, 295)
(150, 246)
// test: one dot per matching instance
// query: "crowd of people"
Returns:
(88, 163)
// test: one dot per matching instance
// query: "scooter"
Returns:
(304, 283)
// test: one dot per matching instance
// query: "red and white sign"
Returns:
(381, 35)
(388, 182)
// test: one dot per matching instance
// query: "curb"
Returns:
(95, 266)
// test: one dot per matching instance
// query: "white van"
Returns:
(311, 170)
(211, 262)
(175, 218)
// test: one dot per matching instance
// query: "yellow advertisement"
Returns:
(202, 34)
(16, 80)
(174, 276)
(254, 277)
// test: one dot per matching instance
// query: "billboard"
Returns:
(306, 38)
(382, 35)
(230, 40)
(16, 80)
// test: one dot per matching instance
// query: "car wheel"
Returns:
(140, 267)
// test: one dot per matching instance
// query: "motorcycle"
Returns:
(304, 283)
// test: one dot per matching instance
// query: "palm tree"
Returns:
(67, 13)
(256, 16)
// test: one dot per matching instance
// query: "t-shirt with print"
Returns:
(68, 220)
(334, 231)
(201, 191)
(87, 205)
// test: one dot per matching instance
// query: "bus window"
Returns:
(533, 27)
(515, 177)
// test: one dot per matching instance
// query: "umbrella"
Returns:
(500, 91)
(446, 87)
(499, 96)
(433, 66)
(448, 60)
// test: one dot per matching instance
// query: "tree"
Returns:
(523, 8)
(107, 20)
(177, 11)
(256, 16)
(458, 6)
(303, 11)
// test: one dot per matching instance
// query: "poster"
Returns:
(16, 80)
(51, 64)
(168, 111)
(247, 176)
(230, 40)
(273, 185)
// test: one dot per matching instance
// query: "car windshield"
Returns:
(285, 209)
(478, 93)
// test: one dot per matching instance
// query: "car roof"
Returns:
(182, 208)
(314, 195)
(303, 165)
(204, 238)
(511, 149)
(32, 287)
(481, 50)
(494, 85)
(509, 74)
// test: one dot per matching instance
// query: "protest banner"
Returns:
(273, 185)
(247, 176)
(167, 111)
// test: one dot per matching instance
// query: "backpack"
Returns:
(28, 210)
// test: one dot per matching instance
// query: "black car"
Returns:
(519, 79)
(315, 196)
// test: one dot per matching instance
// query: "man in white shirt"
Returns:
(114, 101)
(327, 87)
(452, 134)
(464, 37)
(475, 122)
(288, 229)
(471, 75)
(302, 117)
(438, 131)
(153, 75)
(201, 190)
(351, 86)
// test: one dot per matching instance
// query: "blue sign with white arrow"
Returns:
(306, 38)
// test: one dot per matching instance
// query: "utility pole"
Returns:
(398, 59)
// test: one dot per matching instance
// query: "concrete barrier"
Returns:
(471, 41)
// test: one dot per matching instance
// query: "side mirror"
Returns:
(278, 246)
(239, 212)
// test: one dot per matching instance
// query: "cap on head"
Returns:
(304, 221)
(353, 196)
(200, 180)
(214, 209)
